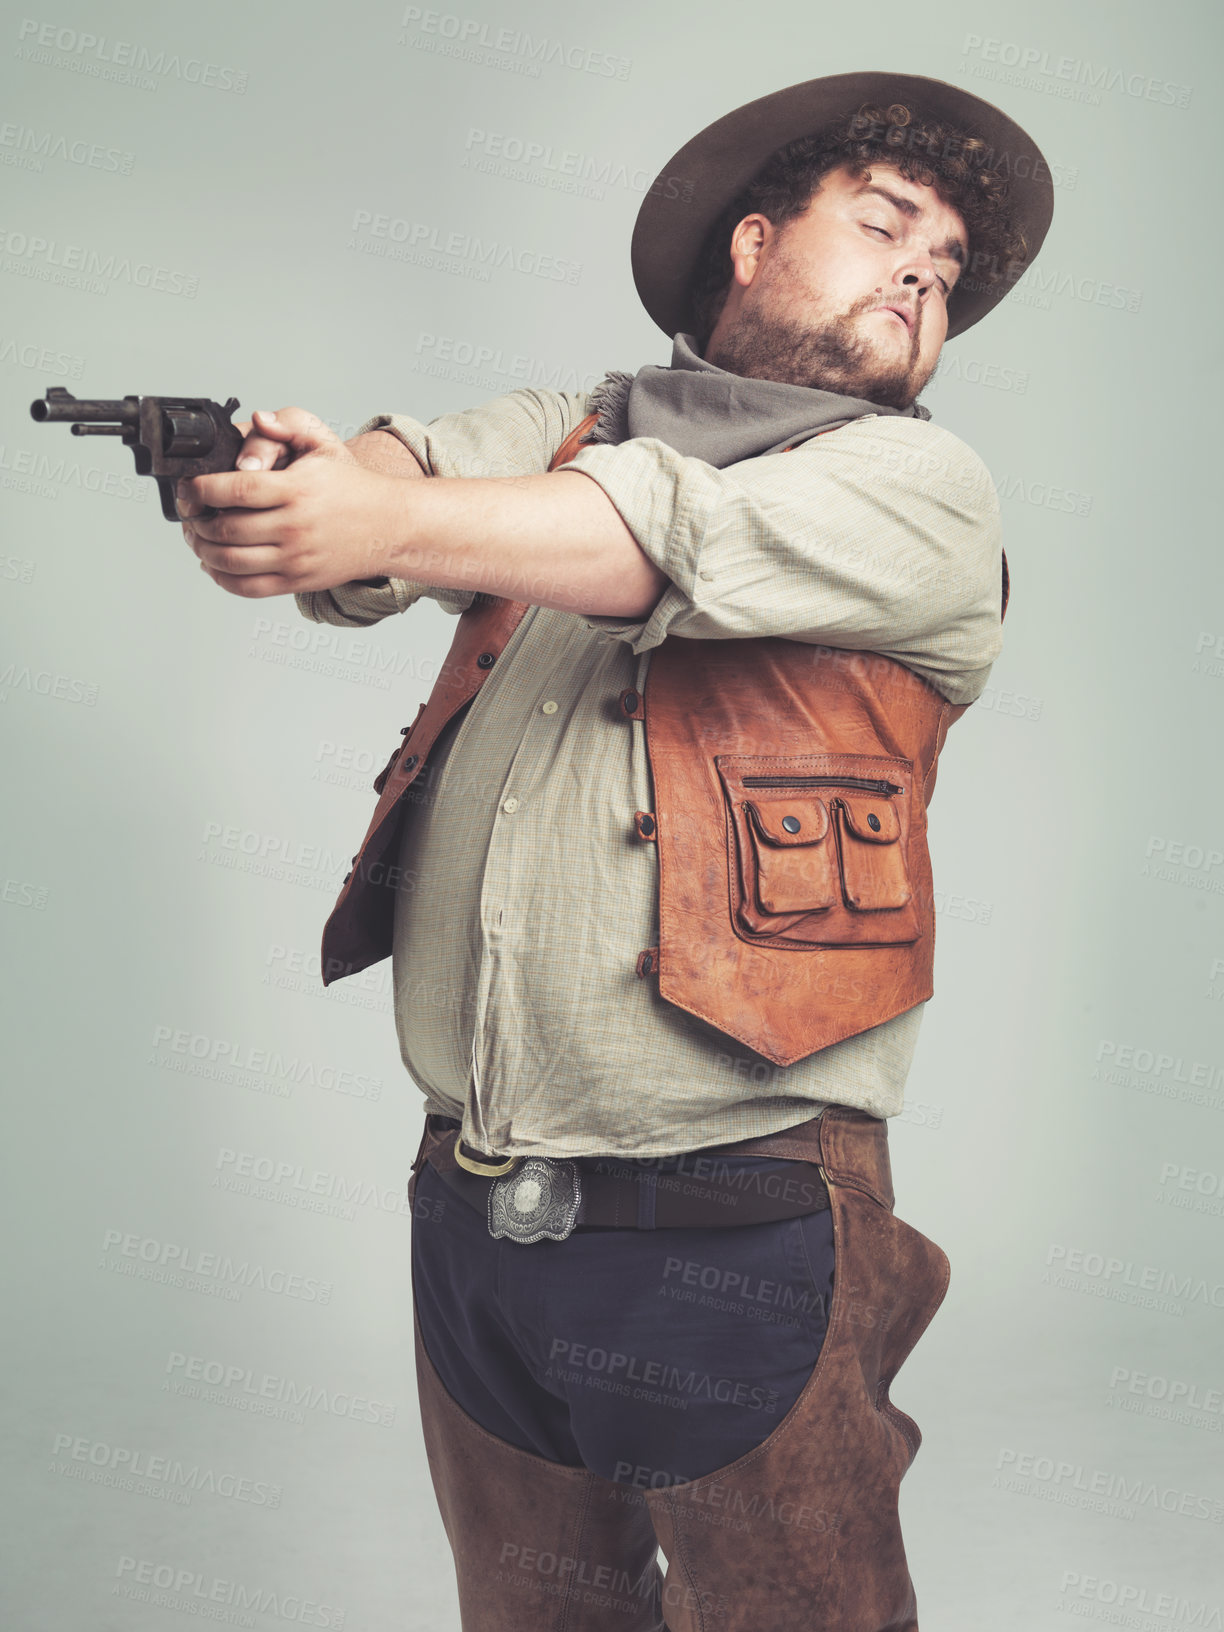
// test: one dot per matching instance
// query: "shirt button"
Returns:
(704, 574)
(549, 707)
(510, 806)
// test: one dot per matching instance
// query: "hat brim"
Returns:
(700, 180)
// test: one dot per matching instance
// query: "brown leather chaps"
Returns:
(799, 1535)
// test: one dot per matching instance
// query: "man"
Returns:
(652, 865)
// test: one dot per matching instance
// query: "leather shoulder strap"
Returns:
(574, 441)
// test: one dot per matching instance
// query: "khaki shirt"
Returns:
(527, 896)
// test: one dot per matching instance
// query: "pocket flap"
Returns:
(790, 821)
(875, 820)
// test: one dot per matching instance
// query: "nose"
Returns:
(918, 274)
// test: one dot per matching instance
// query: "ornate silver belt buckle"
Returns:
(540, 1198)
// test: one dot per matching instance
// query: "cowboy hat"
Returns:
(699, 181)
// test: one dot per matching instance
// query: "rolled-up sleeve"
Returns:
(512, 435)
(882, 536)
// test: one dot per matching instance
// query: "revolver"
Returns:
(171, 437)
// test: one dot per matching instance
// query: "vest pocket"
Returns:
(874, 875)
(817, 848)
(795, 853)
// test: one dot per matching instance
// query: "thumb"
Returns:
(283, 436)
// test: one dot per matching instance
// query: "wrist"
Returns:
(403, 529)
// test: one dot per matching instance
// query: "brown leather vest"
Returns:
(790, 788)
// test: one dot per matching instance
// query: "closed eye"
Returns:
(943, 284)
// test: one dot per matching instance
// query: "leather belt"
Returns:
(549, 1196)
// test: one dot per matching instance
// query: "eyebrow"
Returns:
(954, 249)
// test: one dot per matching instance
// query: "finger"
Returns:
(269, 583)
(240, 560)
(230, 489)
(240, 527)
(296, 429)
(261, 450)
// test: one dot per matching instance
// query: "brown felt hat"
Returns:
(695, 185)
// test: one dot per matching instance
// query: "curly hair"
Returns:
(956, 163)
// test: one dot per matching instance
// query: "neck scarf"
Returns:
(711, 414)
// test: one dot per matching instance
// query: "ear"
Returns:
(748, 239)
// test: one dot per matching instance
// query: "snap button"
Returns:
(410, 763)
(510, 806)
(873, 821)
(549, 707)
(485, 660)
(791, 823)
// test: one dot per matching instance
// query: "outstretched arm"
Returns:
(328, 519)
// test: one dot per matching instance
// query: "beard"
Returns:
(833, 354)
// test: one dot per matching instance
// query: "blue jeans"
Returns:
(649, 1357)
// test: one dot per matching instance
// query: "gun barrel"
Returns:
(62, 407)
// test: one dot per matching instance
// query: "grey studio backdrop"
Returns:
(209, 1396)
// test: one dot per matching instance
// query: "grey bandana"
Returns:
(706, 412)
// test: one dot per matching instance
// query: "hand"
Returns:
(298, 513)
